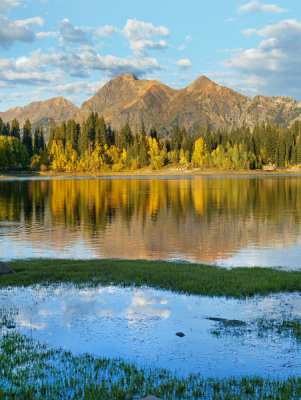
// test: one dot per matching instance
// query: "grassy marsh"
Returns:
(185, 278)
(34, 371)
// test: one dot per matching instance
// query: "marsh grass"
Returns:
(285, 327)
(179, 277)
(30, 370)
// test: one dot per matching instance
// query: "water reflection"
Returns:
(140, 325)
(230, 221)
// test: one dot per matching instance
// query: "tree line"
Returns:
(93, 147)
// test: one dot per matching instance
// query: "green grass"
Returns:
(30, 370)
(179, 277)
(286, 326)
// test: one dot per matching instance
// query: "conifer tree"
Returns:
(126, 136)
(101, 132)
(27, 138)
(36, 140)
(153, 133)
(15, 129)
(176, 139)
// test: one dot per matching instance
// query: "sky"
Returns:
(71, 48)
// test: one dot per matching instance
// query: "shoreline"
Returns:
(147, 172)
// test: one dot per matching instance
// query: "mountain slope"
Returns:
(129, 99)
(59, 109)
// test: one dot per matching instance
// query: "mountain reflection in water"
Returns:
(224, 220)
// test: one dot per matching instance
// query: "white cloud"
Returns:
(105, 31)
(36, 68)
(185, 63)
(19, 30)
(71, 33)
(29, 21)
(43, 35)
(255, 6)
(182, 47)
(274, 66)
(73, 88)
(140, 35)
(139, 30)
(141, 45)
(7, 5)
(188, 38)
(31, 78)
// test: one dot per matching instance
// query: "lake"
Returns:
(228, 221)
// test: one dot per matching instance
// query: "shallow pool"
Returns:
(140, 324)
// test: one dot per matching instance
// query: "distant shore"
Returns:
(167, 171)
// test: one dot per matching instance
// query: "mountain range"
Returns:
(126, 98)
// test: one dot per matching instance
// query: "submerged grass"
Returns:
(287, 327)
(186, 278)
(31, 370)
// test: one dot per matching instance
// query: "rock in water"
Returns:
(5, 269)
(150, 398)
(180, 334)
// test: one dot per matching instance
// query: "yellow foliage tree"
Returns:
(199, 153)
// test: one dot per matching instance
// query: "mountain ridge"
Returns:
(126, 98)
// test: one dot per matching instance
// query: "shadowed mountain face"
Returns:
(129, 99)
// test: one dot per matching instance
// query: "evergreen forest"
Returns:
(94, 147)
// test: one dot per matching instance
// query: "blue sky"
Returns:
(70, 48)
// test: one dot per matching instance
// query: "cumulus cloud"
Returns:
(185, 63)
(182, 47)
(36, 68)
(43, 35)
(73, 88)
(140, 35)
(72, 34)
(30, 78)
(274, 66)
(7, 5)
(19, 30)
(255, 6)
(105, 31)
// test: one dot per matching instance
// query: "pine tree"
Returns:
(143, 131)
(176, 139)
(72, 133)
(126, 136)
(27, 138)
(15, 129)
(101, 132)
(153, 133)
(36, 140)
(41, 140)
(111, 136)
(3, 130)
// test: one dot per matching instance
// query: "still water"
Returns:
(140, 325)
(228, 221)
